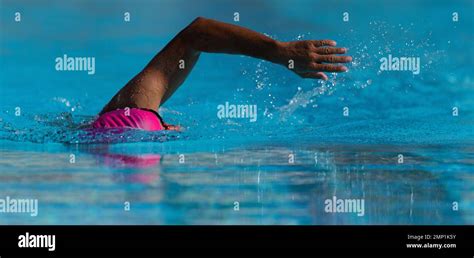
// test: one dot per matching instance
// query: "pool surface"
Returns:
(400, 141)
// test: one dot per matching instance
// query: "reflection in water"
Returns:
(275, 191)
(119, 161)
(269, 185)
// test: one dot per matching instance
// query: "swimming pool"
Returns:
(400, 141)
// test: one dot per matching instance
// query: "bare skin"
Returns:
(162, 76)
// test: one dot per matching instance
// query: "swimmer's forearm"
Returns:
(212, 36)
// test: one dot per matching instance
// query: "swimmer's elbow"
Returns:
(194, 32)
(199, 20)
(196, 25)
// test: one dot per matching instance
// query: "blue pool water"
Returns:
(280, 169)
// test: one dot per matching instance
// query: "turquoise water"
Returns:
(280, 169)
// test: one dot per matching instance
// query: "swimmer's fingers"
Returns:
(333, 59)
(324, 42)
(329, 68)
(314, 75)
(323, 75)
(330, 50)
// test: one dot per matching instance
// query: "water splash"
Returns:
(67, 128)
(304, 98)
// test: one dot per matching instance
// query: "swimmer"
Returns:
(137, 103)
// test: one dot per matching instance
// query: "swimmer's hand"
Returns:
(311, 58)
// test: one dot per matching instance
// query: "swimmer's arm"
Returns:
(206, 35)
(311, 57)
(170, 67)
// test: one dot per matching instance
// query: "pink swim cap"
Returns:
(138, 118)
